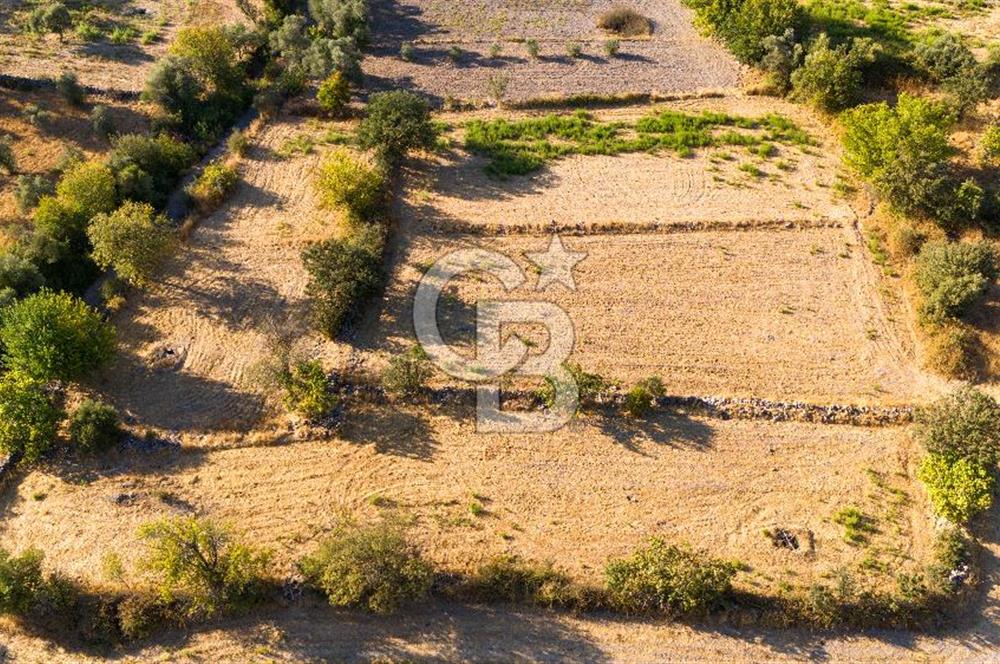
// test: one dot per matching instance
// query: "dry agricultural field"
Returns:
(735, 272)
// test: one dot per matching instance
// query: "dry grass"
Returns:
(625, 21)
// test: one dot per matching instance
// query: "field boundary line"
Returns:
(628, 227)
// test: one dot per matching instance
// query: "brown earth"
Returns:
(674, 59)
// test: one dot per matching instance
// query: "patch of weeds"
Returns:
(302, 144)
(857, 526)
(752, 169)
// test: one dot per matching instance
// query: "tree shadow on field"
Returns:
(374, 83)
(129, 53)
(394, 22)
(395, 429)
(674, 429)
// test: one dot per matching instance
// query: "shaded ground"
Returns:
(674, 59)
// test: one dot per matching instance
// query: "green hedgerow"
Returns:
(830, 77)
(372, 567)
(668, 579)
(55, 336)
(958, 488)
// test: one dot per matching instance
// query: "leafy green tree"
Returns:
(962, 425)
(345, 182)
(958, 488)
(28, 419)
(668, 579)
(21, 581)
(342, 18)
(373, 567)
(86, 190)
(55, 336)
(133, 240)
(18, 277)
(201, 562)
(744, 25)
(396, 122)
(951, 276)
(830, 77)
(53, 17)
(147, 167)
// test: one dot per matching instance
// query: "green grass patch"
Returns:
(520, 147)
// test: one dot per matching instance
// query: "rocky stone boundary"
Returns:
(23, 83)
(631, 227)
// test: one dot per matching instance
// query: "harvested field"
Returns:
(713, 483)
(674, 59)
(782, 314)
(639, 190)
(191, 342)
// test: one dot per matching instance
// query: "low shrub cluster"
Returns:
(307, 389)
(334, 94)
(517, 581)
(951, 276)
(744, 25)
(407, 373)
(641, 399)
(830, 77)
(94, 427)
(344, 182)
(372, 567)
(213, 185)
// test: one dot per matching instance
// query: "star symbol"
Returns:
(556, 264)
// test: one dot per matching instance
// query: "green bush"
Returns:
(146, 168)
(904, 153)
(21, 581)
(213, 185)
(943, 56)
(334, 94)
(237, 143)
(625, 21)
(345, 182)
(962, 425)
(668, 579)
(830, 78)
(201, 563)
(54, 336)
(18, 277)
(510, 579)
(28, 419)
(408, 372)
(307, 389)
(342, 273)
(952, 351)
(744, 24)
(102, 122)
(951, 276)
(133, 240)
(94, 427)
(783, 54)
(51, 17)
(373, 567)
(641, 398)
(989, 146)
(958, 488)
(342, 19)
(70, 90)
(30, 190)
(83, 192)
(396, 122)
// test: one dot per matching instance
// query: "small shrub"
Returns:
(87, 31)
(782, 55)
(52, 17)
(574, 49)
(943, 56)
(94, 427)
(497, 85)
(962, 425)
(668, 579)
(55, 336)
(36, 115)
(830, 77)
(30, 190)
(496, 48)
(511, 579)
(372, 567)
(856, 525)
(342, 273)
(531, 46)
(334, 94)
(958, 488)
(70, 90)
(396, 122)
(149, 36)
(28, 419)
(625, 21)
(952, 352)
(8, 162)
(122, 35)
(407, 373)
(641, 398)
(200, 562)
(455, 53)
(133, 240)
(213, 185)
(21, 581)
(989, 146)
(611, 47)
(407, 51)
(307, 389)
(102, 122)
(951, 276)
(345, 182)
(237, 143)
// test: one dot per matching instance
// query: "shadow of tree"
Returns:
(675, 429)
